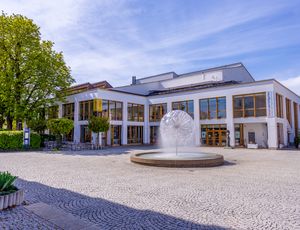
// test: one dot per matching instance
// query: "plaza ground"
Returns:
(255, 189)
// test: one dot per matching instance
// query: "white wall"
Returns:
(261, 133)
(258, 124)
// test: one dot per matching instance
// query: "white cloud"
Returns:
(293, 84)
(114, 39)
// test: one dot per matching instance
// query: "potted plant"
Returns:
(97, 125)
(10, 195)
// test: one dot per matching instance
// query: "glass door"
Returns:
(116, 133)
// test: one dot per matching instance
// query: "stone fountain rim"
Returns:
(211, 161)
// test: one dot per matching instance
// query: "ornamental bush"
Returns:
(13, 140)
(6, 183)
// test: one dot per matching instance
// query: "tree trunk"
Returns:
(19, 124)
(97, 145)
(9, 122)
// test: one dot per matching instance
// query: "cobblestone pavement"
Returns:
(255, 189)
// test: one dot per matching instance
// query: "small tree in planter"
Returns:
(97, 125)
(9, 194)
(59, 127)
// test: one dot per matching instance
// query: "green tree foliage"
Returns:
(60, 127)
(98, 125)
(37, 124)
(32, 74)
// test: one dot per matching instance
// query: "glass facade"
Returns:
(279, 105)
(154, 134)
(116, 135)
(98, 107)
(213, 135)
(187, 106)
(157, 111)
(135, 112)
(135, 134)
(253, 105)
(68, 111)
(115, 110)
(288, 106)
(212, 108)
(85, 110)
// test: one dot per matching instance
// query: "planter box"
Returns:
(12, 199)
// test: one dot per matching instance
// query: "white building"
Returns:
(262, 113)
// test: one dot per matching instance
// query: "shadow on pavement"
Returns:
(103, 213)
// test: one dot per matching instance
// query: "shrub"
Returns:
(35, 141)
(13, 140)
(46, 137)
(6, 183)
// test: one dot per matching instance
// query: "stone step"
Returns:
(60, 218)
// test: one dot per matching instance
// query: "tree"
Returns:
(97, 125)
(32, 74)
(37, 124)
(60, 127)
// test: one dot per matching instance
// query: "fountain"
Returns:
(177, 132)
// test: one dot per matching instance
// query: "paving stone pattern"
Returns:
(255, 189)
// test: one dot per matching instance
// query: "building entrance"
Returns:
(213, 135)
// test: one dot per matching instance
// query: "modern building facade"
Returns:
(257, 113)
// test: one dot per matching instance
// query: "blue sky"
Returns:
(114, 40)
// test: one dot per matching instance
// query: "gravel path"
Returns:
(256, 189)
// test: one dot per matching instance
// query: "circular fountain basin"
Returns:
(188, 159)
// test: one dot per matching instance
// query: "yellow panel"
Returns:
(97, 105)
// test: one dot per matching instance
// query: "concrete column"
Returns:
(60, 112)
(197, 122)
(285, 132)
(76, 122)
(124, 123)
(109, 136)
(169, 106)
(146, 134)
(229, 119)
(272, 133)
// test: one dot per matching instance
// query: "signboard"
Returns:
(97, 105)
(26, 138)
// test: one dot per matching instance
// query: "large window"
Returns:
(115, 110)
(68, 111)
(157, 111)
(53, 112)
(279, 105)
(187, 106)
(288, 110)
(85, 110)
(135, 112)
(252, 105)
(135, 134)
(296, 118)
(213, 108)
(98, 107)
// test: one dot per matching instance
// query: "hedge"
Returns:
(13, 140)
